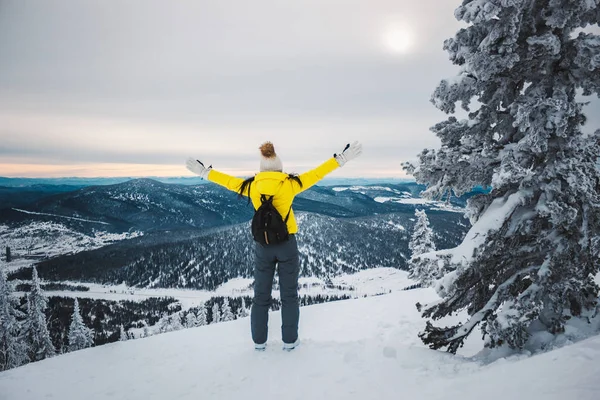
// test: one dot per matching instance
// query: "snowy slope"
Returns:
(49, 239)
(357, 349)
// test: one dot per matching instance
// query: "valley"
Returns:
(143, 254)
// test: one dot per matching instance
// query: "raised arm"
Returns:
(309, 178)
(227, 181)
(313, 176)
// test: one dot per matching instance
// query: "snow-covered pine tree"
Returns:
(421, 242)
(35, 327)
(123, 334)
(190, 320)
(527, 264)
(80, 336)
(164, 324)
(201, 316)
(176, 323)
(169, 323)
(13, 351)
(226, 313)
(216, 314)
(243, 311)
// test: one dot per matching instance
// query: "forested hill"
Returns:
(149, 205)
(197, 236)
(328, 246)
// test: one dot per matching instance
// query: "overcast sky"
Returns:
(132, 88)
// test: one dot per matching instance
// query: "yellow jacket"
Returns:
(276, 184)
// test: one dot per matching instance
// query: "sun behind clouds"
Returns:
(398, 39)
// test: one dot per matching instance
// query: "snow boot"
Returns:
(291, 346)
(260, 347)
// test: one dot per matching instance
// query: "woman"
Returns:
(272, 182)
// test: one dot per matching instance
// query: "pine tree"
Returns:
(243, 311)
(175, 321)
(80, 336)
(201, 317)
(190, 320)
(123, 334)
(8, 254)
(421, 242)
(527, 263)
(36, 329)
(226, 313)
(216, 314)
(169, 323)
(13, 352)
(164, 324)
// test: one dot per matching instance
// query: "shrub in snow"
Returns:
(422, 269)
(13, 351)
(528, 262)
(80, 336)
(36, 332)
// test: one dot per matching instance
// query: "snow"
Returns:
(491, 220)
(370, 282)
(362, 188)
(48, 239)
(435, 205)
(375, 281)
(358, 349)
(61, 216)
(381, 199)
(235, 285)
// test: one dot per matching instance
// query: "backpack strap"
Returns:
(288, 215)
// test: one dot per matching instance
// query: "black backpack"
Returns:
(268, 227)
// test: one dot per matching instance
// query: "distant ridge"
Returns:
(182, 180)
(81, 182)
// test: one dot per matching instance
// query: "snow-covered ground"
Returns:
(369, 282)
(362, 189)
(358, 349)
(60, 216)
(401, 197)
(51, 239)
(434, 205)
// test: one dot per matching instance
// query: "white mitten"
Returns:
(197, 167)
(351, 151)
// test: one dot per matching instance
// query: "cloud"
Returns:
(302, 143)
(148, 83)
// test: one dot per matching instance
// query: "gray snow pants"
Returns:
(285, 256)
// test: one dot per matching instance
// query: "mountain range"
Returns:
(197, 236)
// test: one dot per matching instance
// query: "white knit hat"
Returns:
(269, 161)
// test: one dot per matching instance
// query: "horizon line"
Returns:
(186, 177)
